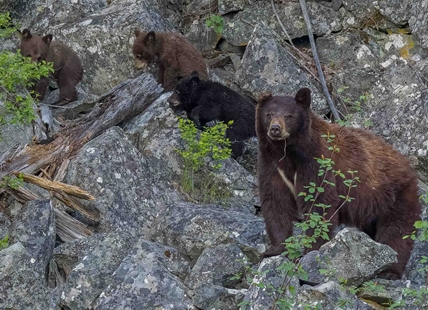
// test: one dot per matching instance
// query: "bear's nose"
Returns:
(275, 129)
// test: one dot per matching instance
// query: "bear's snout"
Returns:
(277, 131)
(140, 64)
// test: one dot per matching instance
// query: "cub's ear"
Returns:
(47, 39)
(150, 38)
(25, 34)
(264, 97)
(194, 78)
(303, 97)
(137, 32)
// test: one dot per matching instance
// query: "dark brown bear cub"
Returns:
(385, 204)
(174, 55)
(68, 70)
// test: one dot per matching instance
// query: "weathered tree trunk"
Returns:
(120, 104)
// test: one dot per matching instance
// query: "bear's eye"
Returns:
(138, 56)
(288, 116)
(269, 116)
(177, 92)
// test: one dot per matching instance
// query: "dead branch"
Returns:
(317, 61)
(56, 186)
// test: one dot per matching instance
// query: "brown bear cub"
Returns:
(68, 70)
(174, 55)
(386, 202)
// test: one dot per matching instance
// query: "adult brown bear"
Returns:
(386, 203)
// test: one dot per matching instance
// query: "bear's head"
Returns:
(34, 46)
(283, 118)
(185, 93)
(144, 48)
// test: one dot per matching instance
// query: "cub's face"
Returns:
(184, 93)
(143, 49)
(283, 117)
(35, 47)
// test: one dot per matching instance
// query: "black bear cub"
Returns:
(386, 202)
(68, 70)
(206, 101)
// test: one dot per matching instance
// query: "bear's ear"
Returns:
(26, 34)
(47, 38)
(194, 78)
(303, 97)
(264, 97)
(150, 38)
(137, 32)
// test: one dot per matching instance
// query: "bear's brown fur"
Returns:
(386, 203)
(68, 70)
(174, 55)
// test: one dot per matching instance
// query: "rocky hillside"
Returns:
(143, 243)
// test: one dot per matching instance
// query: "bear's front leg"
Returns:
(40, 89)
(170, 78)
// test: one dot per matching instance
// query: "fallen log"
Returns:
(119, 104)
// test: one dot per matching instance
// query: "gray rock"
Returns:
(217, 297)
(416, 268)
(4, 226)
(94, 260)
(311, 265)
(202, 37)
(22, 285)
(382, 291)
(34, 228)
(397, 107)
(238, 30)
(143, 281)
(192, 228)
(267, 284)
(217, 265)
(268, 66)
(354, 257)
(227, 6)
(328, 296)
(111, 169)
(13, 137)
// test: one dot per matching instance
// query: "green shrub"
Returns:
(200, 148)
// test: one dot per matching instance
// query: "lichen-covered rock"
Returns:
(268, 66)
(217, 297)
(267, 284)
(10, 141)
(192, 228)
(328, 296)
(143, 281)
(34, 228)
(23, 265)
(94, 259)
(111, 169)
(227, 6)
(217, 265)
(354, 257)
(238, 29)
(4, 226)
(22, 286)
(202, 37)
